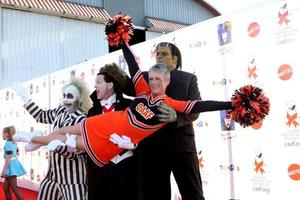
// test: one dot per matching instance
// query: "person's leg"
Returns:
(14, 187)
(75, 130)
(73, 191)
(58, 134)
(49, 191)
(185, 168)
(125, 178)
(97, 179)
(79, 143)
(155, 174)
(6, 188)
(44, 140)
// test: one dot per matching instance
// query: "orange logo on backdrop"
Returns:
(259, 167)
(292, 120)
(294, 172)
(285, 72)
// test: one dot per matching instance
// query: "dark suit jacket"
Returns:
(98, 177)
(96, 109)
(178, 136)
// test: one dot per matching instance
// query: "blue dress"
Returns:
(15, 168)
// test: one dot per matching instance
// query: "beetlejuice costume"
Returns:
(67, 175)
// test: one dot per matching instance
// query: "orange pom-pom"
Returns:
(119, 29)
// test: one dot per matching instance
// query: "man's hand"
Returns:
(21, 91)
(168, 114)
(123, 142)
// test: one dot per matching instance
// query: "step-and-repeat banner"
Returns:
(259, 46)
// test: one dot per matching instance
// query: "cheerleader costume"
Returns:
(15, 168)
(138, 120)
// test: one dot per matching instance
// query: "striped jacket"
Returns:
(64, 167)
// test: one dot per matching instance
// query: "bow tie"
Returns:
(108, 109)
(108, 102)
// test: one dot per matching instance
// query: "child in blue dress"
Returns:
(12, 167)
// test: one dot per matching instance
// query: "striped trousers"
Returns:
(50, 190)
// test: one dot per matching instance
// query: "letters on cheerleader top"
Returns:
(144, 111)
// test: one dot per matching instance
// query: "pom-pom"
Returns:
(119, 29)
(249, 105)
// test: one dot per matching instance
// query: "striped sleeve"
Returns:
(62, 150)
(45, 117)
(197, 106)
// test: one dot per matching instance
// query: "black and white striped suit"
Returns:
(66, 178)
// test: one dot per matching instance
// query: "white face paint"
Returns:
(71, 96)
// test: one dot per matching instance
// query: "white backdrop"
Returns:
(259, 47)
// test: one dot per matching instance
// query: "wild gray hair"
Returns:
(84, 101)
(161, 68)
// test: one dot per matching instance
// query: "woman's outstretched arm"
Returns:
(196, 106)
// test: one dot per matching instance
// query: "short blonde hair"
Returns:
(161, 68)
(10, 131)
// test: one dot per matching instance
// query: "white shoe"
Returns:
(26, 137)
(54, 144)
(32, 146)
(71, 143)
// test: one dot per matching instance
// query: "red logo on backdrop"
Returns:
(285, 72)
(93, 71)
(82, 76)
(294, 172)
(200, 159)
(152, 52)
(138, 59)
(283, 13)
(283, 18)
(253, 29)
(292, 114)
(258, 125)
(252, 68)
(292, 119)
